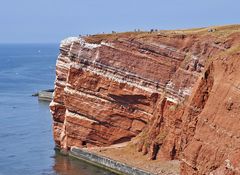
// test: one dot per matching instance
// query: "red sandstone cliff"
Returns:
(175, 92)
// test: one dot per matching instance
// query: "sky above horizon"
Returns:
(50, 21)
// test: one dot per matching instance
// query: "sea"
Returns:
(26, 139)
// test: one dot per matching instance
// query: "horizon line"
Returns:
(29, 42)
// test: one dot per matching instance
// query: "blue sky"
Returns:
(44, 21)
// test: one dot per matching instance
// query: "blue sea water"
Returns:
(26, 141)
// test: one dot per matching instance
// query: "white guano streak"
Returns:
(68, 41)
(78, 116)
(115, 78)
(83, 43)
(76, 92)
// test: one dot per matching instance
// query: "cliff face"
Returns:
(175, 92)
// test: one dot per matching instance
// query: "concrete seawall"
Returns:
(45, 95)
(105, 162)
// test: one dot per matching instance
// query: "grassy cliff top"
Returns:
(213, 31)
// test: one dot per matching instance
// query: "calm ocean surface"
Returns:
(26, 142)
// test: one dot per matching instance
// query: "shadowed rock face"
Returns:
(175, 92)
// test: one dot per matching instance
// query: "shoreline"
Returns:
(112, 160)
(106, 162)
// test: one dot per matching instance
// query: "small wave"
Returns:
(11, 156)
(4, 135)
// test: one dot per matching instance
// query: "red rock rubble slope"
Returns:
(177, 93)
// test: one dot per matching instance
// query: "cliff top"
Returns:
(216, 31)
